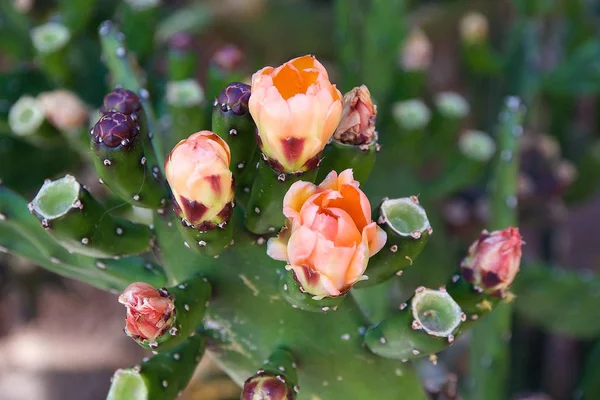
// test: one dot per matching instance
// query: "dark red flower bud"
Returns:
(235, 98)
(115, 129)
(121, 100)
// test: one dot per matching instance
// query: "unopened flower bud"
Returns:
(235, 97)
(181, 41)
(493, 260)
(150, 312)
(121, 100)
(184, 93)
(296, 110)
(417, 51)
(266, 386)
(474, 28)
(228, 58)
(411, 114)
(63, 109)
(115, 129)
(198, 172)
(359, 114)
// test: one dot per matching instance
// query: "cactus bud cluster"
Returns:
(115, 129)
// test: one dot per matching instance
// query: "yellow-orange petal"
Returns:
(296, 196)
(375, 238)
(277, 249)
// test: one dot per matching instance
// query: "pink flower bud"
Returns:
(493, 260)
(198, 172)
(417, 52)
(64, 109)
(150, 311)
(296, 110)
(357, 126)
(329, 235)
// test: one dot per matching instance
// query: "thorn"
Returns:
(433, 358)
(402, 306)
(107, 163)
(399, 273)
(233, 132)
(85, 240)
(410, 260)
(394, 248)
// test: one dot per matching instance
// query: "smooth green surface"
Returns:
(127, 384)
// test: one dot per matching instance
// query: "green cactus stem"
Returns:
(210, 242)
(275, 380)
(291, 291)
(489, 342)
(76, 14)
(134, 14)
(240, 343)
(185, 100)
(21, 234)
(231, 120)
(264, 212)
(27, 120)
(408, 230)
(181, 59)
(125, 73)
(339, 156)
(161, 377)
(51, 42)
(82, 225)
(191, 298)
(426, 324)
(121, 163)
(412, 116)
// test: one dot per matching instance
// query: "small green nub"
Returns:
(411, 114)
(452, 105)
(436, 312)
(477, 145)
(185, 93)
(56, 198)
(405, 216)
(50, 37)
(26, 116)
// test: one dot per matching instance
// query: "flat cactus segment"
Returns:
(407, 226)
(425, 325)
(340, 156)
(82, 225)
(161, 377)
(21, 234)
(559, 300)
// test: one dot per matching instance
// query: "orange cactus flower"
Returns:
(493, 260)
(198, 172)
(296, 110)
(329, 235)
(150, 311)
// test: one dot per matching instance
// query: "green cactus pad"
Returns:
(339, 156)
(161, 377)
(81, 224)
(407, 226)
(21, 234)
(425, 325)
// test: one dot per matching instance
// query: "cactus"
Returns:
(217, 277)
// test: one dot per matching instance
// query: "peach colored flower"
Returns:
(64, 109)
(296, 110)
(357, 126)
(329, 236)
(493, 260)
(198, 172)
(150, 312)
